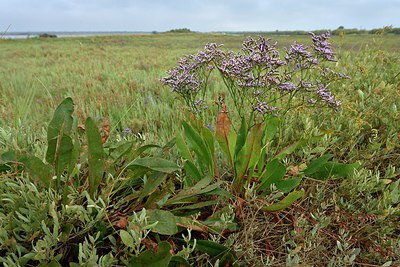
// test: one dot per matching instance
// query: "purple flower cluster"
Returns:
(322, 47)
(182, 80)
(188, 78)
(236, 67)
(264, 108)
(258, 75)
(287, 86)
(302, 58)
(262, 53)
(326, 96)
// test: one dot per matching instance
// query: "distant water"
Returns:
(64, 34)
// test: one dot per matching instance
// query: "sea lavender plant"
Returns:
(263, 85)
(260, 81)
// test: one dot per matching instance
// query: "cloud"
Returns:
(207, 15)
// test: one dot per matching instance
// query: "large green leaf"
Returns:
(274, 171)
(59, 142)
(95, 155)
(155, 164)
(38, 170)
(210, 247)
(252, 150)
(192, 171)
(254, 145)
(183, 148)
(199, 146)
(241, 139)
(177, 261)
(271, 128)
(286, 202)
(161, 258)
(334, 170)
(290, 149)
(219, 252)
(166, 222)
(209, 138)
(316, 164)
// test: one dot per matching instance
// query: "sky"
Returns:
(197, 15)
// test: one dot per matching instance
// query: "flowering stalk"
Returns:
(263, 84)
(258, 79)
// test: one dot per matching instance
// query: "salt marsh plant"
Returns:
(264, 86)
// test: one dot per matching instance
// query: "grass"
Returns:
(353, 221)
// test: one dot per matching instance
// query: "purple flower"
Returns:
(264, 108)
(325, 95)
(306, 85)
(287, 86)
(262, 53)
(322, 47)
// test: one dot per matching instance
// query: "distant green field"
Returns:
(352, 221)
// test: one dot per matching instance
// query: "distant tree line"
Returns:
(180, 30)
(340, 31)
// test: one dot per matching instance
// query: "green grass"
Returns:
(117, 77)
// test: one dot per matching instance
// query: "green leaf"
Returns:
(6, 159)
(198, 205)
(287, 185)
(166, 222)
(198, 145)
(241, 139)
(334, 170)
(95, 155)
(39, 171)
(210, 247)
(142, 149)
(192, 171)
(121, 149)
(59, 142)
(151, 184)
(155, 164)
(203, 187)
(286, 202)
(274, 171)
(290, 149)
(254, 145)
(251, 150)
(271, 128)
(209, 138)
(53, 263)
(316, 164)
(177, 261)
(9, 156)
(183, 148)
(161, 258)
(127, 239)
(219, 252)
